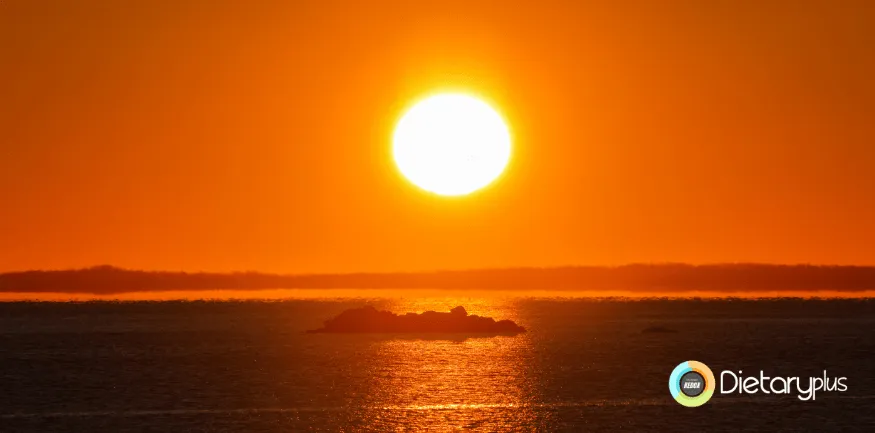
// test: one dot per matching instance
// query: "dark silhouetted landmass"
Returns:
(369, 320)
(641, 278)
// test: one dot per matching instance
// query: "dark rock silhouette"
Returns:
(658, 330)
(370, 320)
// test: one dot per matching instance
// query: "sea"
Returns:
(585, 364)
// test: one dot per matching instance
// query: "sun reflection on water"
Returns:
(444, 383)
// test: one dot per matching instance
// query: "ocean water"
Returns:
(584, 365)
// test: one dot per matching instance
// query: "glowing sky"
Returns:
(219, 135)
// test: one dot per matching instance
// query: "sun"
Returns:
(451, 144)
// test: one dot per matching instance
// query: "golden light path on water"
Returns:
(456, 382)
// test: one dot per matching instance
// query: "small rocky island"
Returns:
(370, 320)
(658, 330)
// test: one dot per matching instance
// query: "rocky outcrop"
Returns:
(370, 320)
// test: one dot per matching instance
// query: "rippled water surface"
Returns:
(584, 365)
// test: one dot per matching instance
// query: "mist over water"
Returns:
(584, 364)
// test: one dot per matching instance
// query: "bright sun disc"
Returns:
(451, 144)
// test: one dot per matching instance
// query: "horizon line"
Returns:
(442, 270)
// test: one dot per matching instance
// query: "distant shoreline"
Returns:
(372, 294)
(635, 280)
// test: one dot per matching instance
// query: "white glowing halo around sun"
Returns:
(451, 144)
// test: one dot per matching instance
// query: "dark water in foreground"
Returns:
(583, 365)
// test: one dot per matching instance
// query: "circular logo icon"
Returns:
(691, 383)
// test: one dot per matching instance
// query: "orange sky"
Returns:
(219, 135)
